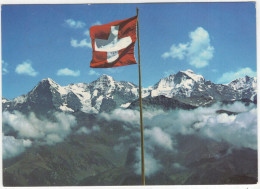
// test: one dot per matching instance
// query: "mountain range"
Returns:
(106, 94)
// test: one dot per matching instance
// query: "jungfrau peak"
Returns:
(180, 84)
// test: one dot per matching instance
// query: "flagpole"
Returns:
(140, 101)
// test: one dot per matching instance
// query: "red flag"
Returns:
(113, 43)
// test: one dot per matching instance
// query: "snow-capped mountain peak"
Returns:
(48, 80)
(243, 83)
(246, 86)
(49, 83)
(105, 77)
(192, 75)
(104, 82)
(181, 84)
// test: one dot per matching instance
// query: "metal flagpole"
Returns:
(140, 102)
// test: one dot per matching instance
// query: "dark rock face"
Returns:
(73, 102)
(161, 102)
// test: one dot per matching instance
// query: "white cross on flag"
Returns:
(113, 43)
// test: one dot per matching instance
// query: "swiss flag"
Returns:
(113, 44)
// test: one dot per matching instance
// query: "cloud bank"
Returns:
(198, 51)
(161, 129)
(31, 129)
(13, 147)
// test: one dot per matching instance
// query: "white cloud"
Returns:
(230, 76)
(157, 136)
(238, 106)
(198, 51)
(151, 164)
(42, 131)
(68, 72)
(130, 116)
(26, 69)
(4, 67)
(179, 51)
(238, 130)
(75, 24)
(13, 147)
(92, 72)
(83, 43)
(85, 130)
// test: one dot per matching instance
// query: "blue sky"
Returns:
(217, 40)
